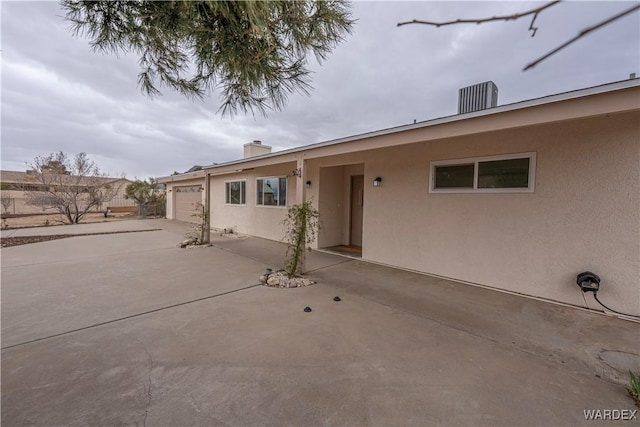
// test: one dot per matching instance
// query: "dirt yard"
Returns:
(56, 219)
(25, 240)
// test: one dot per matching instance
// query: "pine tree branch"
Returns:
(581, 34)
(254, 53)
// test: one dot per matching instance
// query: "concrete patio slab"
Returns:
(182, 340)
(61, 285)
(568, 335)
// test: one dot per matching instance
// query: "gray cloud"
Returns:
(59, 95)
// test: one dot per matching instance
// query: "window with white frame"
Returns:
(511, 173)
(271, 191)
(235, 192)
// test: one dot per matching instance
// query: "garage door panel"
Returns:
(186, 201)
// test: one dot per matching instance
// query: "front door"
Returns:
(357, 208)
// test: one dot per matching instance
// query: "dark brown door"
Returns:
(357, 208)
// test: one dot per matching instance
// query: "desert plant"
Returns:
(301, 225)
(634, 387)
(199, 230)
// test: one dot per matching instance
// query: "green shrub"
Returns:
(301, 226)
(199, 230)
(634, 386)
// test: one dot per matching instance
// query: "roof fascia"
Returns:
(182, 177)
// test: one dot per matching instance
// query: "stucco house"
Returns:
(518, 197)
(15, 183)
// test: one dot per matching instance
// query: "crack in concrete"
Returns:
(132, 316)
(149, 395)
(329, 266)
(146, 410)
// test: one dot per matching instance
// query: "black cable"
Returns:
(595, 295)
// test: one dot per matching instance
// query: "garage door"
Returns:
(186, 200)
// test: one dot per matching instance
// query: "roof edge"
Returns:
(548, 99)
(519, 105)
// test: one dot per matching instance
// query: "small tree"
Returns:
(199, 230)
(301, 224)
(72, 186)
(146, 194)
(158, 202)
(6, 201)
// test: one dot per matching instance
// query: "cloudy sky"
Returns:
(58, 95)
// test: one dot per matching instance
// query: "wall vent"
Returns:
(477, 97)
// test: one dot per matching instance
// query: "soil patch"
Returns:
(25, 240)
(46, 220)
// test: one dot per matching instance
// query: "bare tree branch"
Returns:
(513, 17)
(581, 34)
(535, 12)
(72, 186)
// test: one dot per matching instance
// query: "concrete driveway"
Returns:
(127, 329)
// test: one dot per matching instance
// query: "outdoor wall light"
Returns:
(308, 184)
(588, 282)
(377, 182)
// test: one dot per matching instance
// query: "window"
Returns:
(235, 192)
(513, 173)
(454, 176)
(272, 191)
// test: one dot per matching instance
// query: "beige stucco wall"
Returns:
(261, 221)
(19, 204)
(583, 215)
(331, 204)
(333, 194)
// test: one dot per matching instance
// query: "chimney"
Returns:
(255, 148)
(477, 97)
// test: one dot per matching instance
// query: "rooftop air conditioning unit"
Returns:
(477, 97)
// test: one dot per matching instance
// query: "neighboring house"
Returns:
(519, 197)
(15, 183)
